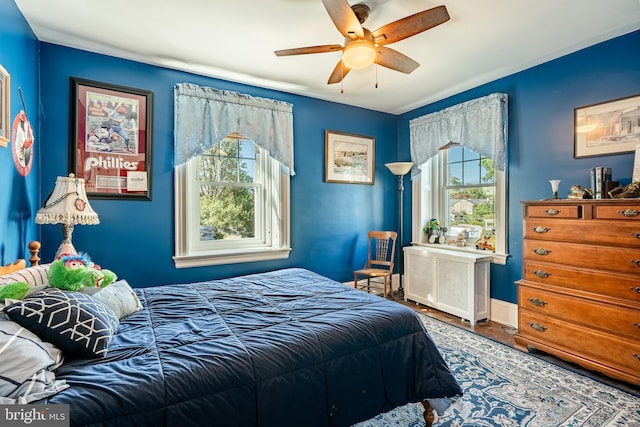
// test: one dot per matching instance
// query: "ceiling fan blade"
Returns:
(309, 49)
(344, 18)
(395, 60)
(410, 26)
(339, 72)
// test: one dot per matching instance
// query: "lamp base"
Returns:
(398, 295)
(65, 248)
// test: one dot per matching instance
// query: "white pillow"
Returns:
(26, 365)
(36, 277)
(120, 298)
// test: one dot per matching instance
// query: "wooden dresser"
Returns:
(579, 297)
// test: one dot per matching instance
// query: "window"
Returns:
(232, 205)
(231, 192)
(463, 190)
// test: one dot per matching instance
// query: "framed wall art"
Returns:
(611, 127)
(349, 158)
(111, 128)
(5, 92)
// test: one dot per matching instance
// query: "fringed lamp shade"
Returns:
(67, 205)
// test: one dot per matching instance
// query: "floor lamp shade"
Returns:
(399, 168)
(67, 205)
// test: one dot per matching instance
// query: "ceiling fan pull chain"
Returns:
(376, 62)
(341, 77)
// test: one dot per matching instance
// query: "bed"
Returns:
(281, 348)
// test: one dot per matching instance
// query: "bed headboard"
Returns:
(34, 250)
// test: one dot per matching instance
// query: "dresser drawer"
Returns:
(583, 343)
(605, 232)
(623, 260)
(629, 212)
(623, 286)
(611, 318)
(554, 211)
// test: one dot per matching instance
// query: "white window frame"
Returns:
(429, 203)
(272, 239)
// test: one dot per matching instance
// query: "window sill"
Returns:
(497, 258)
(228, 257)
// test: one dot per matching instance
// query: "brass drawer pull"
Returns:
(541, 273)
(637, 356)
(637, 325)
(637, 289)
(540, 229)
(537, 302)
(552, 212)
(636, 262)
(537, 326)
(629, 213)
(541, 251)
(636, 235)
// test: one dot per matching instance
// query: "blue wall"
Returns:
(329, 221)
(541, 106)
(20, 196)
(135, 238)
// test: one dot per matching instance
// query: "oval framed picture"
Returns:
(22, 143)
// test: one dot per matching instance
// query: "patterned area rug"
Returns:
(507, 387)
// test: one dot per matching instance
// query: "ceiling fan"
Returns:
(363, 47)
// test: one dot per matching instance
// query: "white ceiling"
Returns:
(235, 39)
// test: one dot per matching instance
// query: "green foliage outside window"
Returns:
(228, 191)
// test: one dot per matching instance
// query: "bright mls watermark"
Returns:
(34, 415)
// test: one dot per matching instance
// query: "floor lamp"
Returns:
(400, 169)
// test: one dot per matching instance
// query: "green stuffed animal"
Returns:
(75, 271)
(15, 290)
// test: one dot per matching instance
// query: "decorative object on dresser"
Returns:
(453, 281)
(555, 184)
(579, 297)
(67, 205)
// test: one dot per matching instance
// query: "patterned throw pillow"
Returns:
(77, 324)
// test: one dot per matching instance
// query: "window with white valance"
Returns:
(460, 178)
(233, 164)
(479, 124)
(204, 115)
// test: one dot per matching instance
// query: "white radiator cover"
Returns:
(449, 280)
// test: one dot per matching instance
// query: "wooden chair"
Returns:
(380, 259)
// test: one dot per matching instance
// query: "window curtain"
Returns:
(479, 124)
(204, 115)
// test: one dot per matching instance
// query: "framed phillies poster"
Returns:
(111, 139)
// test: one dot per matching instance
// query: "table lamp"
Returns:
(67, 205)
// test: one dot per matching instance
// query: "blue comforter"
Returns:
(278, 349)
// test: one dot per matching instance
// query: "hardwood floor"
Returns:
(489, 329)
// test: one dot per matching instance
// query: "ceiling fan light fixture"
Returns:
(359, 54)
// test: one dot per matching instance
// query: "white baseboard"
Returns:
(505, 313)
(502, 312)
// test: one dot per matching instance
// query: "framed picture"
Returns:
(349, 158)
(611, 127)
(5, 92)
(111, 129)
